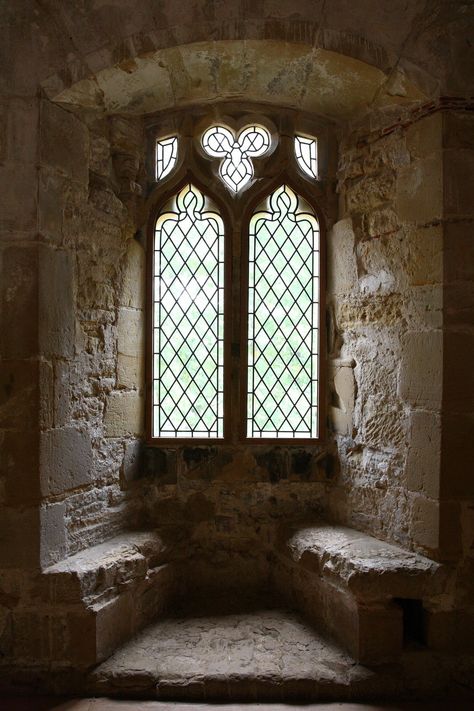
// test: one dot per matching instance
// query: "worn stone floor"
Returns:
(246, 656)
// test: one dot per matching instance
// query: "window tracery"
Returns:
(306, 155)
(166, 156)
(195, 302)
(236, 168)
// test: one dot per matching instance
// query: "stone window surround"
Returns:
(276, 166)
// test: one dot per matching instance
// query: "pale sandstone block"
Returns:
(52, 533)
(425, 522)
(419, 195)
(66, 460)
(424, 264)
(124, 414)
(342, 267)
(130, 332)
(132, 294)
(421, 369)
(371, 192)
(344, 386)
(130, 371)
(424, 453)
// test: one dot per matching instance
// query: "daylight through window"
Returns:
(194, 366)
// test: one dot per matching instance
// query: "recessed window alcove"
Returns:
(242, 377)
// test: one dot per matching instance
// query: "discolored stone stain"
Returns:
(301, 464)
(194, 456)
(274, 462)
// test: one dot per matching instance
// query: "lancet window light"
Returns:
(192, 312)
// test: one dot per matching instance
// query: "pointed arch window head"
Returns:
(306, 153)
(237, 152)
(283, 319)
(235, 312)
(166, 156)
(188, 319)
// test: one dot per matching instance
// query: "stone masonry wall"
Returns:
(92, 311)
(386, 304)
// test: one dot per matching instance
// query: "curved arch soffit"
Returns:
(290, 74)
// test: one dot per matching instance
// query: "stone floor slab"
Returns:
(257, 655)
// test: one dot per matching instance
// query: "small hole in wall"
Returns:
(414, 634)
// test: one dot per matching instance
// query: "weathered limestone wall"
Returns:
(219, 508)
(73, 308)
(386, 273)
(94, 313)
(71, 293)
(401, 334)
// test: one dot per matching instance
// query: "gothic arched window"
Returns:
(235, 312)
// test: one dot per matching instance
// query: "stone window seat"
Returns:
(104, 594)
(342, 580)
(354, 585)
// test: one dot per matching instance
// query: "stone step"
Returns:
(269, 654)
(264, 655)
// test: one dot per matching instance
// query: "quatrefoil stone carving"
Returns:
(236, 168)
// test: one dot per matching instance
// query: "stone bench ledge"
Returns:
(100, 570)
(368, 567)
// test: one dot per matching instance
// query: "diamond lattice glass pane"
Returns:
(306, 151)
(236, 168)
(166, 156)
(282, 392)
(188, 300)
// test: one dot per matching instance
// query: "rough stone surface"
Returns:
(82, 99)
(364, 564)
(268, 653)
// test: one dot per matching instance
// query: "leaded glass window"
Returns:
(236, 168)
(166, 156)
(188, 319)
(234, 350)
(283, 319)
(307, 155)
